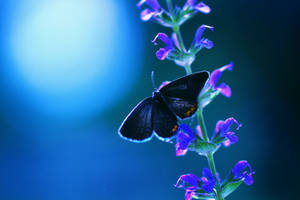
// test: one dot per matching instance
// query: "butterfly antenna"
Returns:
(152, 79)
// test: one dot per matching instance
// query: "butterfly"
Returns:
(157, 115)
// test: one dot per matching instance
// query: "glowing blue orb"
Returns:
(73, 58)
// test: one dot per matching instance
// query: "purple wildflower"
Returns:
(223, 130)
(162, 53)
(185, 136)
(204, 42)
(147, 14)
(202, 7)
(223, 88)
(243, 171)
(208, 181)
(196, 186)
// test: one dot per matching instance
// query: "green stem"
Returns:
(210, 157)
(213, 169)
(188, 69)
(170, 7)
(176, 29)
(202, 124)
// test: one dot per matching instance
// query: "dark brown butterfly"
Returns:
(156, 115)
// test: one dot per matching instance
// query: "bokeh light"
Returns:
(61, 54)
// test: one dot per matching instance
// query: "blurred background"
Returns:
(71, 70)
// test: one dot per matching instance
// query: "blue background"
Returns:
(71, 70)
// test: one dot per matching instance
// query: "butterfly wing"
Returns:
(182, 107)
(137, 127)
(164, 121)
(181, 95)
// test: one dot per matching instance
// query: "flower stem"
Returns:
(170, 7)
(188, 69)
(211, 162)
(209, 156)
(202, 124)
(175, 27)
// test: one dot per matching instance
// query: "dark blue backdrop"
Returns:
(71, 70)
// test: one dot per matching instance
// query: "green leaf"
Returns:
(203, 147)
(230, 187)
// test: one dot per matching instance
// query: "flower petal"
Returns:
(207, 43)
(146, 14)
(187, 180)
(162, 36)
(185, 135)
(215, 75)
(228, 123)
(140, 3)
(224, 90)
(179, 151)
(239, 167)
(199, 33)
(162, 53)
(232, 138)
(152, 3)
(208, 187)
(248, 179)
(190, 192)
(207, 180)
(219, 126)
(202, 7)
(187, 129)
(229, 67)
(227, 143)
(190, 2)
(207, 173)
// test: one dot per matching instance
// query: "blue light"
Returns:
(71, 58)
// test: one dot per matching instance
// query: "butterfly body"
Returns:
(157, 115)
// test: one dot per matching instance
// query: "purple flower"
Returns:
(202, 7)
(188, 180)
(243, 171)
(147, 14)
(208, 181)
(223, 88)
(203, 42)
(162, 53)
(223, 130)
(185, 136)
(195, 186)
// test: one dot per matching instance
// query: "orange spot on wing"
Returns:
(174, 129)
(190, 111)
